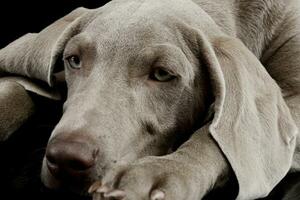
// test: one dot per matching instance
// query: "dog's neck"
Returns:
(227, 15)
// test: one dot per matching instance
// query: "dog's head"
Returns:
(141, 76)
(132, 79)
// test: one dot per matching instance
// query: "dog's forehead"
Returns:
(132, 29)
(135, 21)
(132, 25)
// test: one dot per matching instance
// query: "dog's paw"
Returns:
(149, 179)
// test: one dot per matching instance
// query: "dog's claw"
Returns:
(157, 195)
(115, 194)
(103, 189)
(94, 187)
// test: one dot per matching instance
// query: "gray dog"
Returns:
(224, 74)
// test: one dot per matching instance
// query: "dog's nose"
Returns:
(70, 158)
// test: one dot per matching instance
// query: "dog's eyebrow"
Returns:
(165, 55)
(77, 44)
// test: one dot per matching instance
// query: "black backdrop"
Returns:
(18, 17)
(20, 157)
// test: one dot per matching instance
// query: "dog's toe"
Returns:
(157, 195)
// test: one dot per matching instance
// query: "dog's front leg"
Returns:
(187, 174)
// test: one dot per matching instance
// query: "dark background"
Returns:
(18, 17)
(20, 156)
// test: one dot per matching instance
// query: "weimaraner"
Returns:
(222, 76)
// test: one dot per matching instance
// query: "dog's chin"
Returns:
(52, 184)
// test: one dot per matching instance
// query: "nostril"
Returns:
(80, 165)
(53, 168)
(50, 159)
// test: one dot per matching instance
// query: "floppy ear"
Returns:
(16, 107)
(27, 62)
(252, 124)
(35, 55)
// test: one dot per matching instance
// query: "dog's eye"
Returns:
(161, 75)
(74, 62)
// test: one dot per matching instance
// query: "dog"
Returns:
(169, 99)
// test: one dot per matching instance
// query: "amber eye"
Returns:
(74, 62)
(161, 75)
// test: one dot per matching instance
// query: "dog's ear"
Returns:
(252, 123)
(36, 55)
(30, 61)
